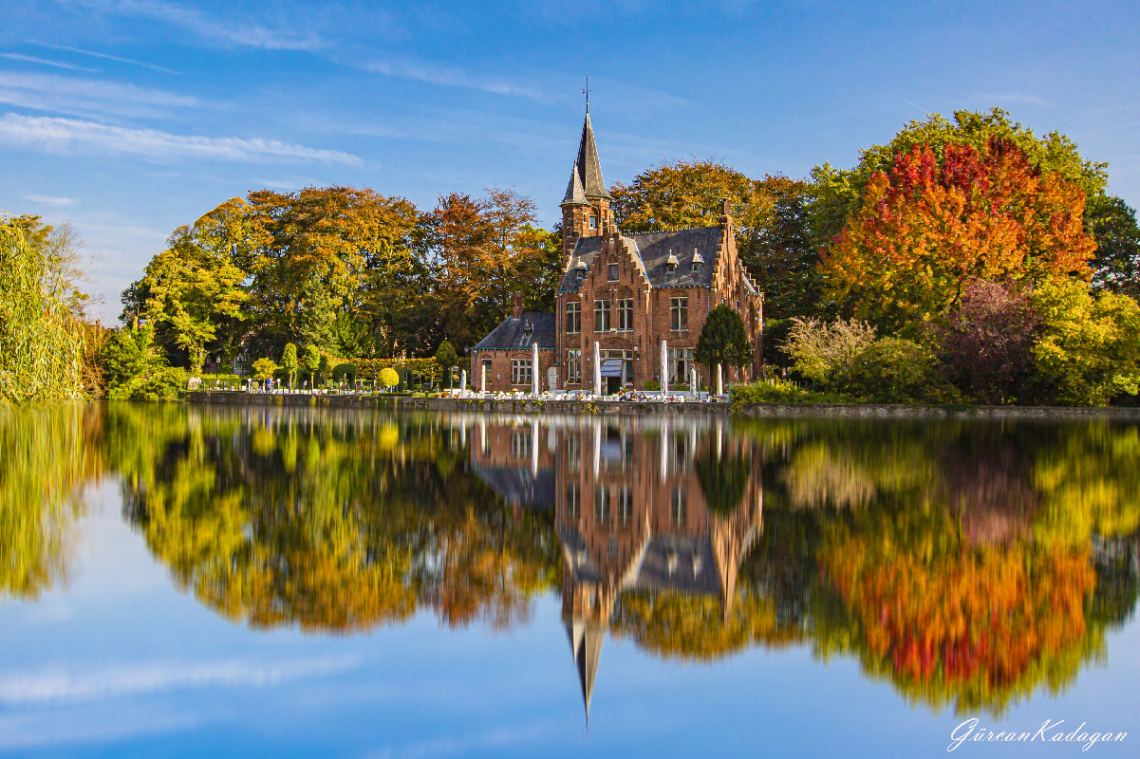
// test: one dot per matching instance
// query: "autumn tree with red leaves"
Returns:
(929, 226)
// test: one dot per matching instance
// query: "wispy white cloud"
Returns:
(1014, 99)
(44, 62)
(68, 89)
(450, 76)
(73, 135)
(231, 32)
(50, 200)
(21, 732)
(107, 57)
(494, 739)
(116, 682)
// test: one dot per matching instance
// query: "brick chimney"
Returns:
(518, 310)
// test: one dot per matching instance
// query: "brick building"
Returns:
(625, 293)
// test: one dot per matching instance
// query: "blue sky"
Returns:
(128, 118)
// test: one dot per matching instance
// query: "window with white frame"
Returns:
(679, 507)
(573, 318)
(625, 505)
(680, 361)
(679, 313)
(601, 316)
(625, 315)
(520, 371)
(573, 501)
(573, 367)
(520, 444)
(601, 504)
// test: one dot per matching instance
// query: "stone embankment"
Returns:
(524, 405)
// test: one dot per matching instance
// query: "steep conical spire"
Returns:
(589, 167)
(586, 644)
(575, 192)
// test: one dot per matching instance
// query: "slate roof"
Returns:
(575, 192)
(519, 334)
(519, 486)
(654, 248)
(589, 167)
(681, 563)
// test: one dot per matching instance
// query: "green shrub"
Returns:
(345, 370)
(388, 377)
(164, 383)
(782, 392)
(652, 385)
(893, 370)
(825, 353)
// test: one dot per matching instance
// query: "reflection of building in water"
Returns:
(515, 460)
(631, 511)
(632, 515)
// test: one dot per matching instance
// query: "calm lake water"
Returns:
(195, 581)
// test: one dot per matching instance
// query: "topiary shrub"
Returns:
(388, 377)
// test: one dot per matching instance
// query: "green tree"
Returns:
(312, 362)
(188, 290)
(263, 369)
(1090, 344)
(289, 362)
(446, 357)
(1112, 223)
(724, 340)
(783, 258)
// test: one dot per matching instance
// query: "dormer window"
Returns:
(671, 262)
(697, 261)
(580, 269)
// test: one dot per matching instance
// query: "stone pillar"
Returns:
(534, 448)
(693, 387)
(535, 380)
(482, 377)
(597, 447)
(597, 368)
(719, 380)
(664, 368)
(463, 380)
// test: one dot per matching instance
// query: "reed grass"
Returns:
(41, 341)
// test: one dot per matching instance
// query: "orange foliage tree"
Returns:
(931, 225)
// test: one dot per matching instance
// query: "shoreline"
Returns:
(524, 405)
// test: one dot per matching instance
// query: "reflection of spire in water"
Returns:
(586, 644)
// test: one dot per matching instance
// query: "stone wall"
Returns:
(531, 406)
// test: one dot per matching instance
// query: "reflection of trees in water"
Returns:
(969, 564)
(326, 522)
(967, 578)
(46, 454)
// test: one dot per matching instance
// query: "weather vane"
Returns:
(586, 92)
